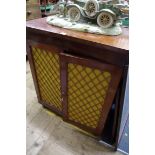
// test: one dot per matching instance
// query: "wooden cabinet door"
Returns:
(88, 89)
(45, 67)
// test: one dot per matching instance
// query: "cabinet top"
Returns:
(119, 42)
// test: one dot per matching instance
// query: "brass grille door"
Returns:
(90, 90)
(46, 68)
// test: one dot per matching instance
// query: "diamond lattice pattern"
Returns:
(48, 76)
(87, 88)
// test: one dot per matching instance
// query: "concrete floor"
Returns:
(47, 134)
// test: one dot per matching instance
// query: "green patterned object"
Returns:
(47, 7)
(125, 22)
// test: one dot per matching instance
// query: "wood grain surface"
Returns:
(120, 41)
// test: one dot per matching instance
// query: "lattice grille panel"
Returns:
(87, 90)
(48, 75)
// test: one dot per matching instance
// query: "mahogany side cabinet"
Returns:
(80, 76)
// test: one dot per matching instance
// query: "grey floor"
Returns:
(47, 134)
